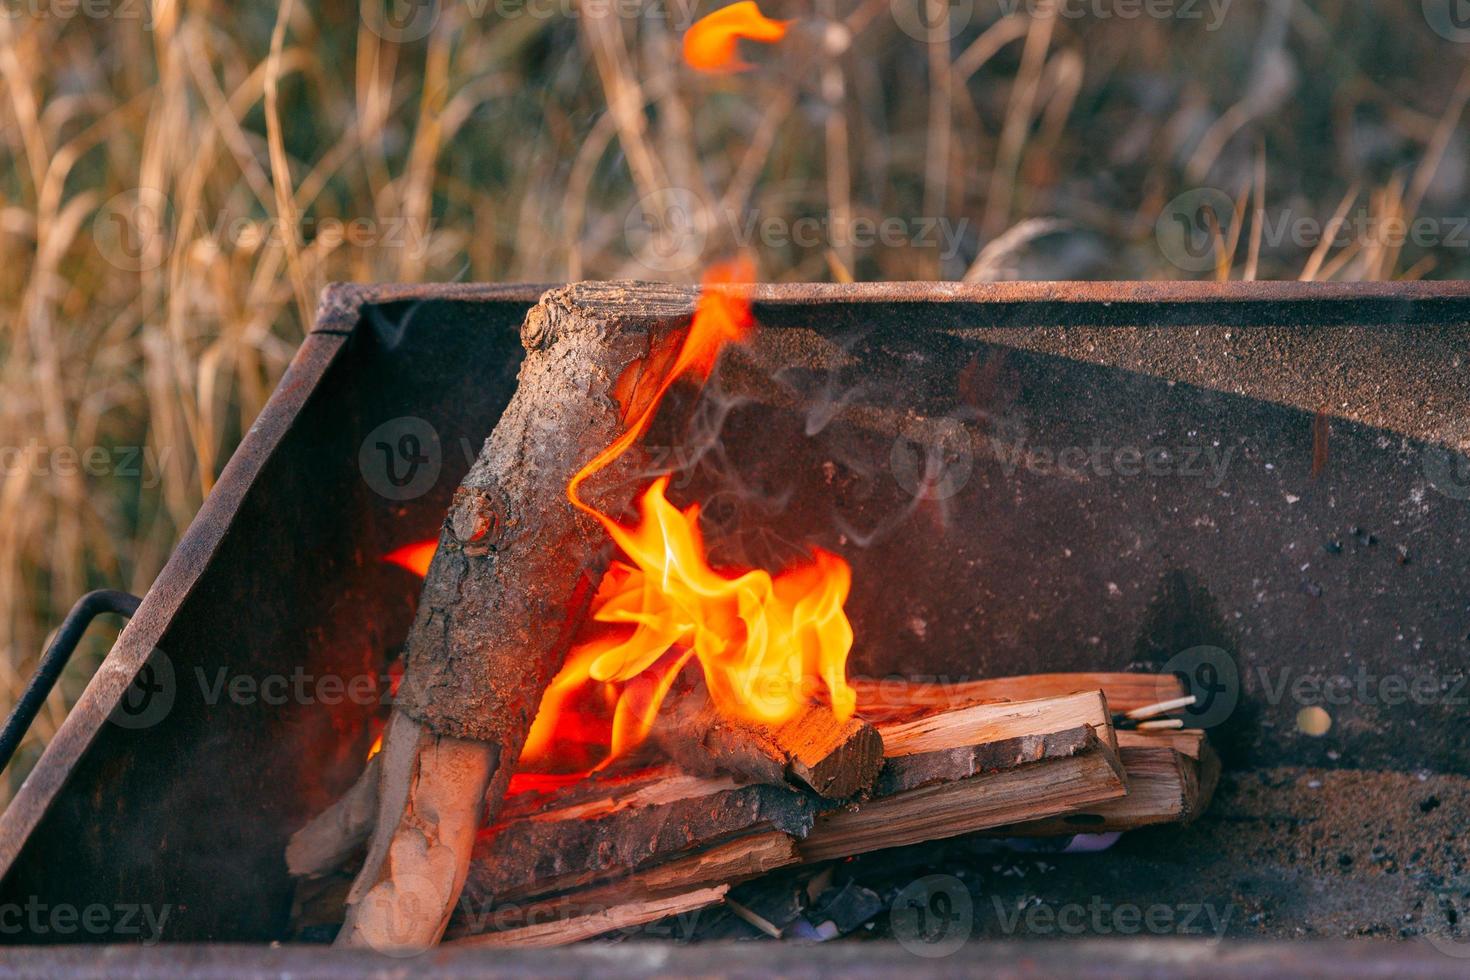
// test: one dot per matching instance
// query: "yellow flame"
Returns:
(761, 640)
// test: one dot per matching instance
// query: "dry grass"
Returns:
(153, 157)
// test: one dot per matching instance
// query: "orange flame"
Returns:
(759, 639)
(709, 44)
(414, 557)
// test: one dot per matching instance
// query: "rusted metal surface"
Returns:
(193, 809)
(1136, 959)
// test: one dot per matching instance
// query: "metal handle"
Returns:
(88, 607)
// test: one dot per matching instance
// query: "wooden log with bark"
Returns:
(515, 568)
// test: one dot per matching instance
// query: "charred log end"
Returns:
(835, 759)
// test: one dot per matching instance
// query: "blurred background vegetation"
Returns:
(181, 178)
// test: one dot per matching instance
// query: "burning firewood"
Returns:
(520, 613)
(1171, 777)
(947, 774)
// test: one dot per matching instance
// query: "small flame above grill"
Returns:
(709, 45)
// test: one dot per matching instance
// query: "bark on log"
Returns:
(661, 815)
(515, 566)
(516, 563)
(729, 863)
(835, 759)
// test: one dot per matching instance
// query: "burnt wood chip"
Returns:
(848, 907)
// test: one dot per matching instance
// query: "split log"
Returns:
(893, 699)
(1166, 784)
(657, 816)
(835, 759)
(730, 863)
(515, 568)
(1092, 773)
(984, 737)
(429, 803)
